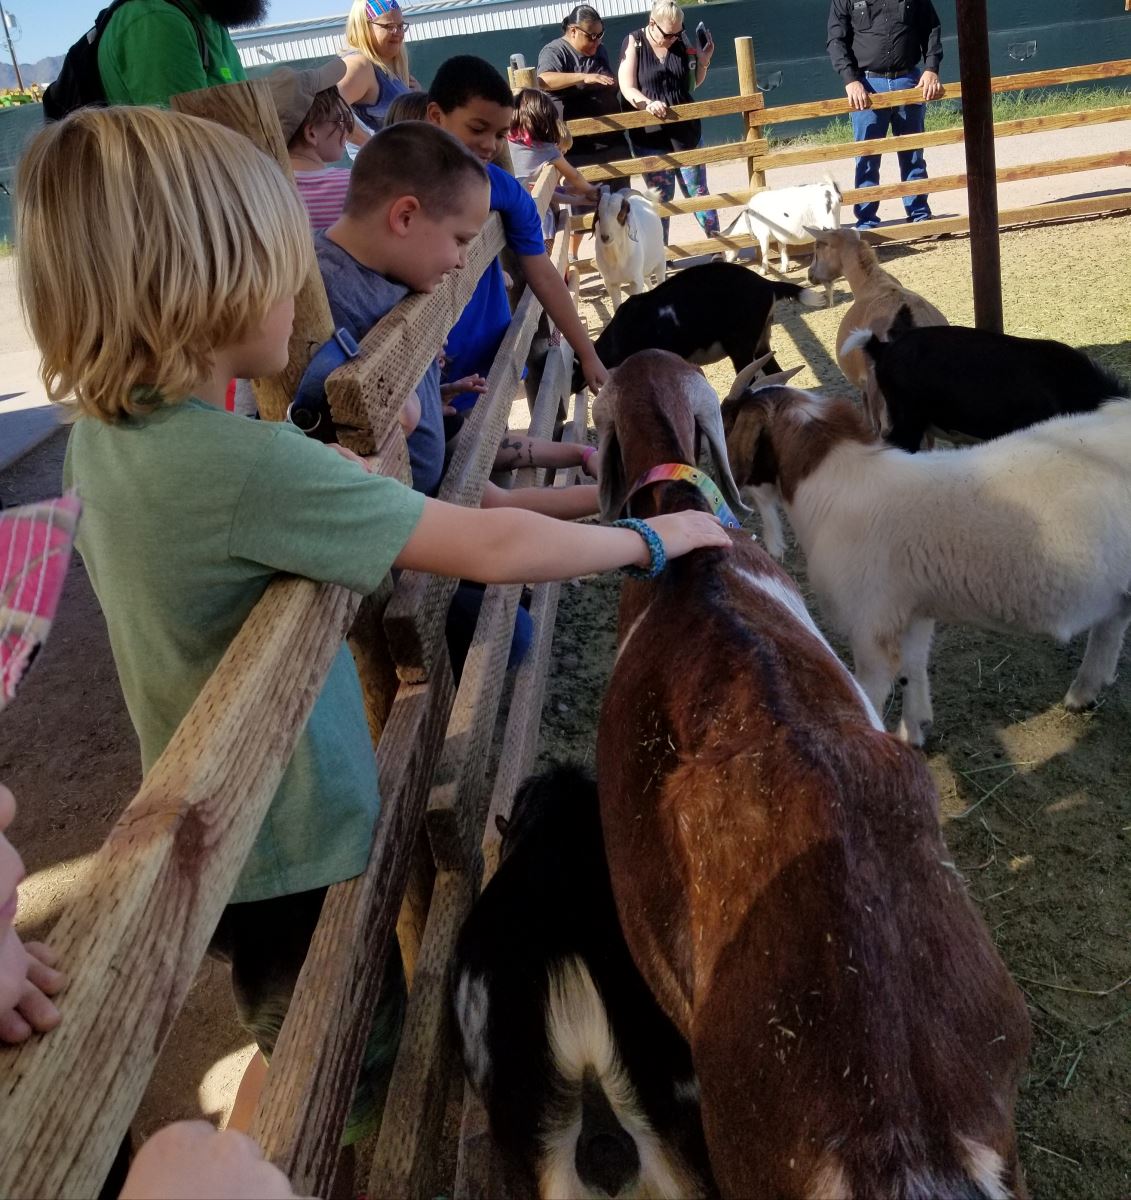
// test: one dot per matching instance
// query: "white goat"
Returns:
(1029, 532)
(629, 242)
(786, 215)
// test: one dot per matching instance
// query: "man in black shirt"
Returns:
(876, 46)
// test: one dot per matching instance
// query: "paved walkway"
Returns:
(26, 415)
(951, 160)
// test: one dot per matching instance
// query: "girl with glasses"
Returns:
(377, 65)
(657, 70)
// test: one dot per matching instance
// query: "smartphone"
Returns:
(702, 36)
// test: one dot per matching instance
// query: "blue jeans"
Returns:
(874, 123)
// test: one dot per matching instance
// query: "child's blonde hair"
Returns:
(361, 38)
(145, 240)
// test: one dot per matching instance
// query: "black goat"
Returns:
(589, 1088)
(975, 384)
(705, 313)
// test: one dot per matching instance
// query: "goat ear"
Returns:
(709, 420)
(625, 209)
(750, 454)
(816, 234)
(747, 375)
(612, 487)
(501, 824)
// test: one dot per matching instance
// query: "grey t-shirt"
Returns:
(359, 297)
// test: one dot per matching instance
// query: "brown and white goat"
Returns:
(779, 871)
(877, 297)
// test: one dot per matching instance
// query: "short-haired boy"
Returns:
(316, 120)
(474, 103)
(160, 256)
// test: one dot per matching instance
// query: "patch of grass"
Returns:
(947, 114)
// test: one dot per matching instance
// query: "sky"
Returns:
(50, 26)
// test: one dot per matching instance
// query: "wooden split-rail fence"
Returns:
(760, 158)
(134, 934)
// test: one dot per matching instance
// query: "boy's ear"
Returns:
(435, 113)
(401, 213)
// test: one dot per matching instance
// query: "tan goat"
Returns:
(877, 297)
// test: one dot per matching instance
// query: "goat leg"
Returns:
(1101, 658)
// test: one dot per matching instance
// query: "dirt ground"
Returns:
(1036, 801)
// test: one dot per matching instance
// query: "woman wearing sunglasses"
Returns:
(576, 71)
(657, 70)
(377, 65)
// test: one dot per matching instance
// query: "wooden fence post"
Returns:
(248, 109)
(981, 170)
(748, 86)
(525, 77)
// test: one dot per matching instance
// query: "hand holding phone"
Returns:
(702, 35)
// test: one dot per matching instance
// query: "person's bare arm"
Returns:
(359, 84)
(567, 504)
(554, 81)
(578, 183)
(551, 290)
(517, 450)
(508, 545)
(703, 61)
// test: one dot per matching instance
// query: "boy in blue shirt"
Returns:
(473, 102)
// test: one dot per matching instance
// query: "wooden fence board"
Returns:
(406, 1148)
(952, 183)
(722, 107)
(414, 619)
(132, 940)
(309, 1088)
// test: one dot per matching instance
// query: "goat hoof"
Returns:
(1078, 702)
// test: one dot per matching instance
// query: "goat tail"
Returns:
(784, 290)
(866, 341)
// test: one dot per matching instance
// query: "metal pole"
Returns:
(981, 165)
(11, 48)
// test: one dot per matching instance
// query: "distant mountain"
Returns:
(43, 71)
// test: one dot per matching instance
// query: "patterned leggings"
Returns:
(692, 182)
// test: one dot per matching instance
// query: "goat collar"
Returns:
(703, 482)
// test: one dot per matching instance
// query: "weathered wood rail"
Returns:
(134, 934)
(760, 158)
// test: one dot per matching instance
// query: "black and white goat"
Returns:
(706, 313)
(973, 385)
(589, 1088)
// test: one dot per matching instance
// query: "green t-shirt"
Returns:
(150, 52)
(188, 514)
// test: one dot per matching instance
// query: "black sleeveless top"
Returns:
(669, 81)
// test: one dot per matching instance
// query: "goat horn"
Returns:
(747, 376)
(780, 379)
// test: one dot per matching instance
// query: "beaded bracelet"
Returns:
(655, 548)
(587, 453)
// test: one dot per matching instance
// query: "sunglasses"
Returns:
(589, 37)
(667, 37)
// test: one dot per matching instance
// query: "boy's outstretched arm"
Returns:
(556, 299)
(508, 545)
(567, 504)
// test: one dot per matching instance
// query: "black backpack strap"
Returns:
(201, 44)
